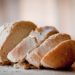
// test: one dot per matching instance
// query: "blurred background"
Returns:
(59, 13)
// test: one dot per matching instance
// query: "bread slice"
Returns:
(31, 42)
(73, 66)
(12, 35)
(36, 55)
(43, 33)
(23, 65)
(60, 56)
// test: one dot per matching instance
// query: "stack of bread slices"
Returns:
(25, 45)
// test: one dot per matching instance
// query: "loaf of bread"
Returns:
(60, 56)
(27, 46)
(11, 35)
(34, 57)
(31, 42)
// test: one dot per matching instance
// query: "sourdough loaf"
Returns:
(34, 57)
(60, 56)
(31, 42)
(12, 35)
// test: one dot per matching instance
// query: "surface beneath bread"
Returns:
(5, 70)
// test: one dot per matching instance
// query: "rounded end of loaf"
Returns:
(59, 57)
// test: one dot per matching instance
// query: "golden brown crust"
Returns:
(60, 56)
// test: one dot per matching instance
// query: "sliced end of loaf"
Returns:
(14, 34)
(59, 57)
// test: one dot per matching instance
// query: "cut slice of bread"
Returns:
(36, 55)
(60, 56)
(31, 42)
(12, 35)
(19, 52)
(43, 33)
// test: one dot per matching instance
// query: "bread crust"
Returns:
(60, 56)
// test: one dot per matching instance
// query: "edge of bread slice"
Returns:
(12, 35)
